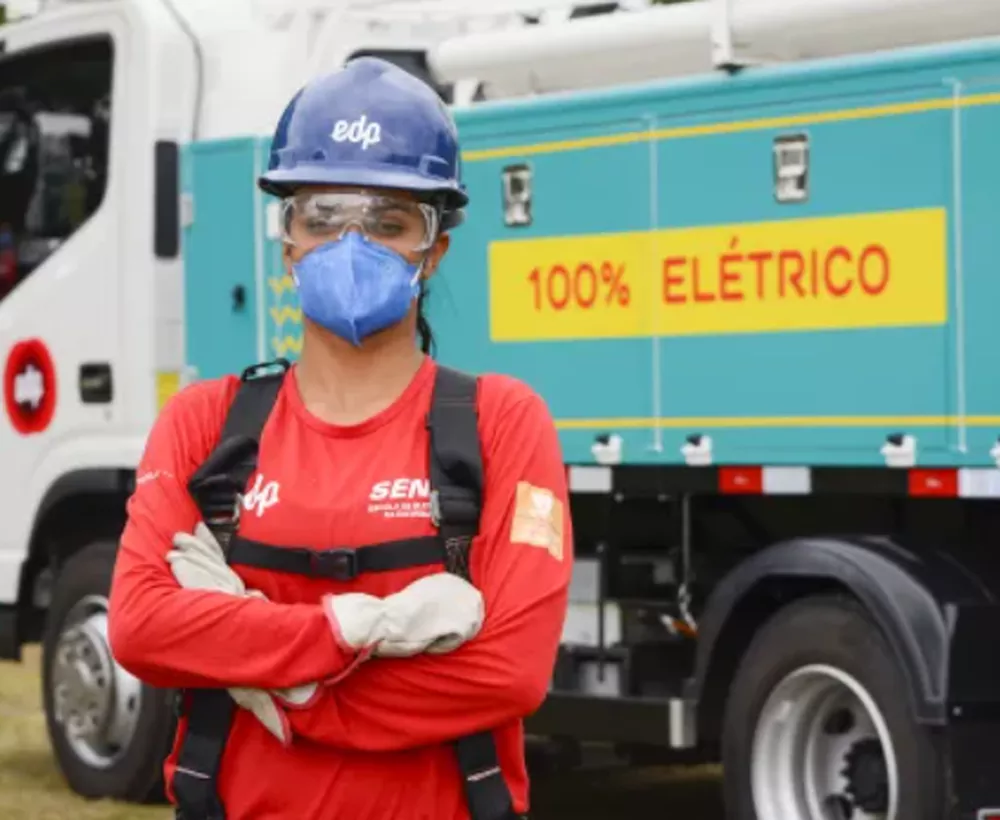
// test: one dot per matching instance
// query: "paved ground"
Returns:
(31, 789)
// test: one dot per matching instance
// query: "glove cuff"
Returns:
(335, 628)
(297, 697)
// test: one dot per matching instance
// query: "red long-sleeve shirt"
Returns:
(374, 745)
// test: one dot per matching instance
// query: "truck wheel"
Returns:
(818, 727)
(110, 732)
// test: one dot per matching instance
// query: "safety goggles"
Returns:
(310, 219)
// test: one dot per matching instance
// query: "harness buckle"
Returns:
(338, 564)
(457, 507)
(435, 505)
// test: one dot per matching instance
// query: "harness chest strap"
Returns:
(456, 476)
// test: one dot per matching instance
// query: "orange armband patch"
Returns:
(538, 519)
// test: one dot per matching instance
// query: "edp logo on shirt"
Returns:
(261, 496)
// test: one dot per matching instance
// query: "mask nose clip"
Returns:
(352, 224)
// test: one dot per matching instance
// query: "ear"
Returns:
(435, 255)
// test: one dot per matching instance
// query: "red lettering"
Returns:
(799, 274)
(699, 296)
(535, 278)
(726, 277)
(585, 273)
(838, 252)
(670, 279)
(558, 272)
(882, 254)
(791, 278)
(760, 257)
(725, 294)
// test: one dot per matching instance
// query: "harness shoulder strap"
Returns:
(217, 487)
(218, 483)
(252, 405)
(456, 478)
(455, 468)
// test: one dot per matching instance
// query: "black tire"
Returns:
(137, 775)
(837, 632)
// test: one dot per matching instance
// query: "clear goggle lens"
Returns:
(401, 224)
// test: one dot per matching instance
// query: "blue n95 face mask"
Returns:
(354, 287)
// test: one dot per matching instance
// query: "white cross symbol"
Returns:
(29, 387)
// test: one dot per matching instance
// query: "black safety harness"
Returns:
(456, 483)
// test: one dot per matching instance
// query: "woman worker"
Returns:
(369, 682)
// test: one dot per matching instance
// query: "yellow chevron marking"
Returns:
(286, 313)
(279, 285)
(289, 344)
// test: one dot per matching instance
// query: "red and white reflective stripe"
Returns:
(787, 480)
(741, 480)
(963, 482)
(974, 482)
(917, 482)
(932, 483)
(765, 480)
(589, 479)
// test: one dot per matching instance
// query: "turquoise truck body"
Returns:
(662, 290)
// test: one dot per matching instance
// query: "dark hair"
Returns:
(427, 344)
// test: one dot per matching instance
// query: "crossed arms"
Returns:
(173, 637)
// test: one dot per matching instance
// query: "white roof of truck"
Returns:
(257, 53)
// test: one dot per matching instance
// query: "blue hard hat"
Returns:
(372, 124)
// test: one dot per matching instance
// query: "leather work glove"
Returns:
(197, 562)
(435, 614)
(358, 620)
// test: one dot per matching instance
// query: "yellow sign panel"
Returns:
(168, 383)
(865, 270)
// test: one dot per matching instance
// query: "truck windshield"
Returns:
(54, 123)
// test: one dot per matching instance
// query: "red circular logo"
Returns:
(29, 387)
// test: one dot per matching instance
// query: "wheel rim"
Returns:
(95, 702)
(822, 751)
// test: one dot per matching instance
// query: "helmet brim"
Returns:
(280, 182)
